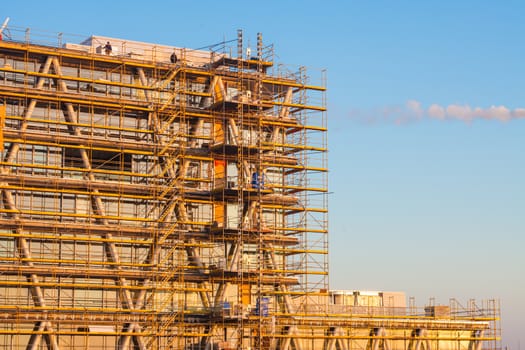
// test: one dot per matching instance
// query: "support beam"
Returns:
(111, 249)
(283, 114)
(21, 243)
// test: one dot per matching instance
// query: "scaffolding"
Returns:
(152, 203)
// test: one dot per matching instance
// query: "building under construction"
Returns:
(157, 197)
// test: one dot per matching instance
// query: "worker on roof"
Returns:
(173, 57)
(108, 48)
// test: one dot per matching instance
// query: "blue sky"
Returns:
(428, 193)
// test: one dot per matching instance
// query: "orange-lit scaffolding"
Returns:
(153, 204)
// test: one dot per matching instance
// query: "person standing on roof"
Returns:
(173, 57)
(108, 48)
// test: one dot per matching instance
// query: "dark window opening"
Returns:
(103, 160)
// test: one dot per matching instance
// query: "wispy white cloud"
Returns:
(414, 111)
(437, 111)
